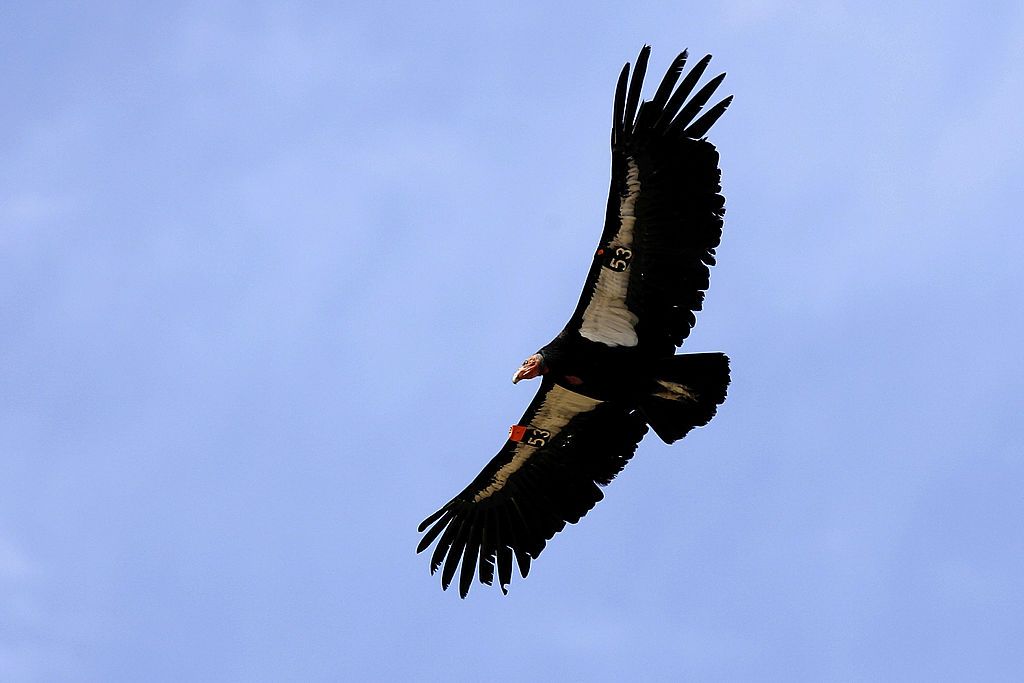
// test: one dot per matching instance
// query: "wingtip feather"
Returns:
(432, 518)
(636, 84)
(469, 559)
(432, 534)
(696, 103)
(619, 104)
(701, 126)
(678, 98)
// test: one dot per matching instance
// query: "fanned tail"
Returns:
(686, 393)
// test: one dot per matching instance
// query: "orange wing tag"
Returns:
(530, 435)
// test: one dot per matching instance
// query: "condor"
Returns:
(612, 371)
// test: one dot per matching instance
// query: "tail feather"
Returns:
(687, 391)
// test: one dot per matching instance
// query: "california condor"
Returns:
(611, 371)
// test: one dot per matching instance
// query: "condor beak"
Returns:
(530, 368)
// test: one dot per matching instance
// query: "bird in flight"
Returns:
(612, 371)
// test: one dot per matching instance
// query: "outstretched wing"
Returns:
(547, 473)
(664, 217)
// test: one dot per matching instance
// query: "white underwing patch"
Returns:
(607, 319)
(559, 406)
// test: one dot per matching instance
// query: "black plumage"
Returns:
(611, 372)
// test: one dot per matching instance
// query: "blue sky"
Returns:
(266, 269)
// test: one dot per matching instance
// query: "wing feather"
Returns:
(469, 558)
(504, 561)
(451, 561)
(438, 527)
(667, 84)
(679, 96)
(619, 106)
(635, 85)
(490, 538)
(696, 103)
(702, 125)
(432, 518)
(443, 545)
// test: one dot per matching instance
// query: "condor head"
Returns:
(531, 367)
